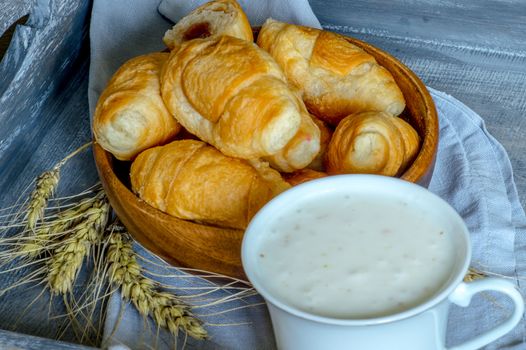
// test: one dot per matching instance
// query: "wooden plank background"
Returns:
(43, 117)
(473, 50)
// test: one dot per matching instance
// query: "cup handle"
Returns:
(462, 296)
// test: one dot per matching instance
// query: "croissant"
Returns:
(302, 149)
(191, 180)
(411, 141)
(220, 17)
(231, 94)
(325, 138)
(336, 78)
(303, 175)
(130, 115)
(373, 143)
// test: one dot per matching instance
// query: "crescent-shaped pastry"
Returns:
(231, 94)
(335, 77)
(325, 138)
(303, 149)
(411, 141)
(220, 17)
(194, 181)
(130, 115)
(371, 143)
(303, 175)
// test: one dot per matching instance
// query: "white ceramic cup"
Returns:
(422, 327)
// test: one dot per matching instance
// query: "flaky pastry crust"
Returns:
(220, 17)
(335, 77)
(194, 181)
(130, 115)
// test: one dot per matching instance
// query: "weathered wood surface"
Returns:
(43, 117)
(11, 11)
(473, 50)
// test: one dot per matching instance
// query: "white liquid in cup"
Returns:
(354, 257)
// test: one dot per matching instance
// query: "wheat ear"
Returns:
(54, 229)
(474, 274)
(165, 308)
(45, 187)
(66, 260)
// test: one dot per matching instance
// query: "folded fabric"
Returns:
(290, 11)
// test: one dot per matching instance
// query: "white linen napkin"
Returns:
(472, 173)
(290, 11)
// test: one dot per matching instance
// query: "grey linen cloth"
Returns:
(473, 173)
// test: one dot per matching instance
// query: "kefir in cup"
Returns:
(363, 262)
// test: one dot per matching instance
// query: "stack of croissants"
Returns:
(221, 124)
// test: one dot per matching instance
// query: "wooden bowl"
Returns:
(188, 244)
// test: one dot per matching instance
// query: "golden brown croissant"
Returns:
(130, 115)
(219, 17)
(411, 141)
(325, 138)
(303, 175)
(194, 181)
(336, 78)
(371, 142)
(302, 149)
(231, 94)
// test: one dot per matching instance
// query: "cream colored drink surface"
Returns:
(355, 257)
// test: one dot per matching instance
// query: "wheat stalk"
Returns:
(45, 187)
(473, 275)
(37, 244)
(55, 228)
(165, 308)
(66, 260)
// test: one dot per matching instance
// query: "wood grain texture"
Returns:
(11, 11)
(6, 37)
(44, 116)
(490, 25)
(33, 79)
